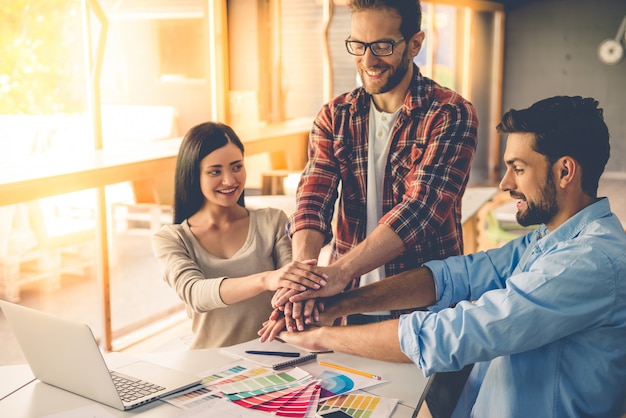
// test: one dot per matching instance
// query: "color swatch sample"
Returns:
(235, 374)
(302, 405)
(260, 383)
(293, 395)
(191, 397)
(335, 384)
(296, 393)
(357, 406)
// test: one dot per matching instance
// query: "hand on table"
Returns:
(285, 319)
(309, 339)
(276, 328)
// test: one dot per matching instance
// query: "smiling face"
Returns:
(529, 177)
(382, 74)
(223, 176)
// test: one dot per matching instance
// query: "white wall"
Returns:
(551, 49)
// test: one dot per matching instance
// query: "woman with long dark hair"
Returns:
(222, 259)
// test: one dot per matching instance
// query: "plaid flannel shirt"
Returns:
(431, 151)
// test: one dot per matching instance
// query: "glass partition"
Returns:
(89, 88)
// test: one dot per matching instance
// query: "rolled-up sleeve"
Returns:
(496, 323)
(409, 328)
(317, 191)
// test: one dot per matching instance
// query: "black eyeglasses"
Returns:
(378, 48)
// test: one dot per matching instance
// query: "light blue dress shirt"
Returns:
(547, 326)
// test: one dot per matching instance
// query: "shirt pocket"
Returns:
(349, 170)
(402, 167)
(417, 153)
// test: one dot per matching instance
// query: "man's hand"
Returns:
(304, 313)
(298, 314)
(280, 320)
(300, 310)
(291, 317)
(275, 327)
(378, 341)
(309, 339)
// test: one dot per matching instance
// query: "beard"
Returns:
(394, 79)
(542, 210)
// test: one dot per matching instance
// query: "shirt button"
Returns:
(380, 134)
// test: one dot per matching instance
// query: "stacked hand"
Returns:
(296, 309)
(296, 277)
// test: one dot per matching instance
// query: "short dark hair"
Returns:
(565, 125)
(409, 10)
(198, 142)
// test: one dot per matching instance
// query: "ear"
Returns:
(415, 43)
(567, 171)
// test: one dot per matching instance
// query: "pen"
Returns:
(274, 353)
(349, 370)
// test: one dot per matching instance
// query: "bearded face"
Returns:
(540, 209)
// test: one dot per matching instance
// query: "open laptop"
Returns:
(65, 354)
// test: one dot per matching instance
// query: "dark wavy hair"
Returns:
(562, 126)
(409, 10)
(199, 141)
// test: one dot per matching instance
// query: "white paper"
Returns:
(239, 351)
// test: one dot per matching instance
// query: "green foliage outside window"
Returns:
(41, 59)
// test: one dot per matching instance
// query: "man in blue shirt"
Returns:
(543, 317)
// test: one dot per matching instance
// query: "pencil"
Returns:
(349, 370)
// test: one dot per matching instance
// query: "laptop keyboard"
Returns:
(130, 388)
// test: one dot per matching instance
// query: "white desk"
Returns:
(473, 199)
(37, 399)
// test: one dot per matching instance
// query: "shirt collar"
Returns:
(574, 225)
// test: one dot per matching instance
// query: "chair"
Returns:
(17, 245)
(46, 238)
(442, 393)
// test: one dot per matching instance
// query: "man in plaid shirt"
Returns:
(396, 151)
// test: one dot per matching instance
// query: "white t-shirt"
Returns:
(380, 127)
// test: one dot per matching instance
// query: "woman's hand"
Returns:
(273, 326)
(297, 276)
(281, 297)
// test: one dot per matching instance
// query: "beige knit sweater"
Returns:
(196, 277)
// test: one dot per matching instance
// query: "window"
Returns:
(50, 113)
